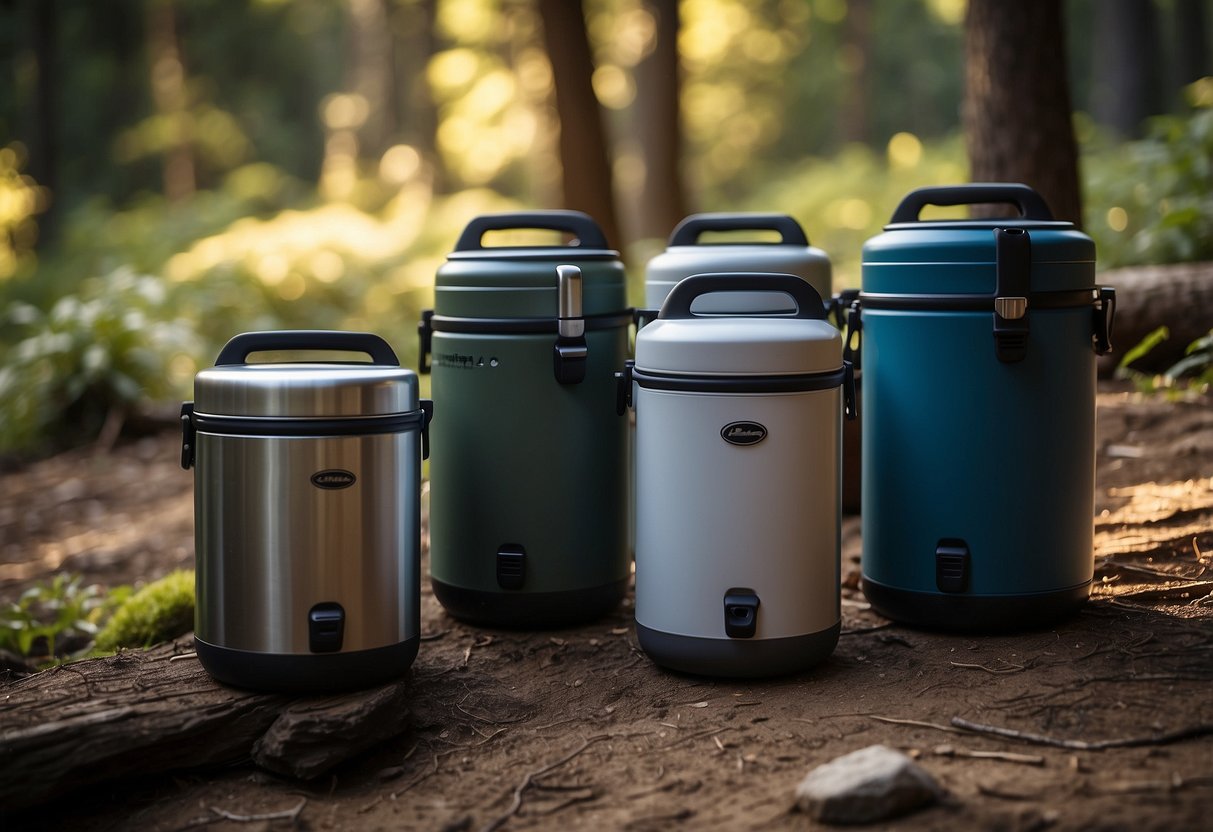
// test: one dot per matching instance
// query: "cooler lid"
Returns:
(962, 253)
(308, 389)
(519, 281)
(686, 254)
(686, 341)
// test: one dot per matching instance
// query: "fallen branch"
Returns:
(1010, 668)
(1084, 745)
(713, 732)
(288, 814)
(1002, 756)
(916, 723)
(529, 780)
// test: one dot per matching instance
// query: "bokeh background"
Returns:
(172, 172)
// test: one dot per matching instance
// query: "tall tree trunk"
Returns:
(1017, 114)
(44, 150)
(584, 157)
(1127, 84)
(857, 46)
(658, 125)
(369, 72)
(418, 115)
(1191, 41)
(170, 98)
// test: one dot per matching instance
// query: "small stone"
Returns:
(874, 783)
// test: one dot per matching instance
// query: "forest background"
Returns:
(172, 173)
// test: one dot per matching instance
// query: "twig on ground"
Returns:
(687, 738)
(1191, 731)
(1002, 756)
(990, 791)
(182, 657)
(287, 814)
(916, 723)
(527, 781)
(1010, 668)
(434, 636)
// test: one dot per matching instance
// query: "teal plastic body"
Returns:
(978, 426)
(527, 478)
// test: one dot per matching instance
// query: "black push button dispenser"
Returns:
(325, 628)
(740, 612)
(952, 565)
(511, 566)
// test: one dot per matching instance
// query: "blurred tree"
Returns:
(44, 164)
(586, 182)
(1126, 82)
(369, 72)
(1017, 114)
(416, 43)
(170, 98)
(856, 60)
(1191, 43)
(657, 116)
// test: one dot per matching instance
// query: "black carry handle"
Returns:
(1031, 205)
(580, 225)
(687, 232)
(808, 302)
(237, 350)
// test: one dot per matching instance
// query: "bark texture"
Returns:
(584, 156)
(144, 712)
(659, 127)
(1017, 113)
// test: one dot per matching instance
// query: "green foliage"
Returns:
(56, 619)
(160, 611)
(844, 200)
(1191, 374)
(107, 346)
(1151, 201)
(1143, 348)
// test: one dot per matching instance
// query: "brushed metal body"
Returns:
(271, 545)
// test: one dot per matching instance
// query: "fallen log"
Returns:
(1178, 296)
(142, 712)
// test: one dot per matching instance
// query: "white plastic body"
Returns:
(711, 516)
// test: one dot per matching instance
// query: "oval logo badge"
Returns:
(333, 479)
(743, 433)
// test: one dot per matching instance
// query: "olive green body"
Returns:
(524, 462)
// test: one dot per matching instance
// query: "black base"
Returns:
(975, 613)
(529, 610)
(737, 657)
(307, 673)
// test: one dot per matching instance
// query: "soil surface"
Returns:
(577, 728)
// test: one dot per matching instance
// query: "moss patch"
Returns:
(160, 611)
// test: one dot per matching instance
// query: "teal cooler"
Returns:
(979, 343)
(528, 511)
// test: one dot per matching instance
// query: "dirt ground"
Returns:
(577, 728)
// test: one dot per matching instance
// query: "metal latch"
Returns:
(425, 331)
(850, 402)
(852, 348)
(1012, 286)
(1105, 316)
(189, 436)
(570, 352)
(623, 388)
(427, 416)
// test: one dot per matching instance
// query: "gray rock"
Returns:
(868, 785)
